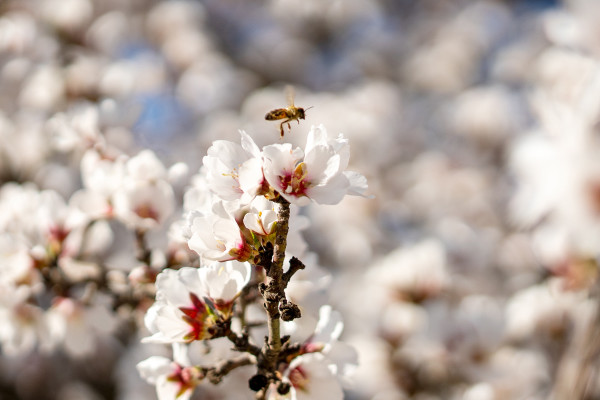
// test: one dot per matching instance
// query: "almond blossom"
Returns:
(310, 377)
(145, 199)
(174, 379)
(324, 363)
(77, 328)
(218, 236)
(190, 301)
(316, 173)
(24, 325)
(234, 171)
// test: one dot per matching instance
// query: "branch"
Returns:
(215, 374)
(275, 286)
(242, 343)
(143, 253)
(273, 293)
(295, 266)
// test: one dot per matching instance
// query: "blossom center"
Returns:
(185, 378)
(195, 316)
(295, 183)
(146, 211)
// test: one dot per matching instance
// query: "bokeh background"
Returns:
(471, 274)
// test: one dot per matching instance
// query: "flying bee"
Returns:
(288, 114)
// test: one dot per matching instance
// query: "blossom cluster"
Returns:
(136, 227)
(232, 230)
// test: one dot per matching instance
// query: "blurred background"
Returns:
(471, 274)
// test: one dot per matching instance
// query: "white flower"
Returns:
(340, 358)
(317, 173)
(78, 128)
(146, 167)
(310, 377)
(415, 273)
(190, 300)
(217, 236)
(76, 327)
(223, 282)
(328, 330)
(145, 198)
(142, 205)
(261, 216)
(24, 325)
(174, 379)
(15, 261)
(234, 171)
(101, 174)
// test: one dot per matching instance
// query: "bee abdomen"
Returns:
(276, 114)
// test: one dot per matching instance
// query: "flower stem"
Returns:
(273, 290)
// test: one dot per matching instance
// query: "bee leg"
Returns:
(281, 128)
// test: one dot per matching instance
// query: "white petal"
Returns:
(169, 285)
(249, 145)
(180, 354)
(358, 184)
(330, 193)
(321, 163)
(251, 177)
(252, 222)
(153, 367)
(330, 326)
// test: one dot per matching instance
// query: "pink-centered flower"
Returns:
(310, 377)
(174, 379)
(190, 301)
(217, 236)
(145, 199)
(318, 173)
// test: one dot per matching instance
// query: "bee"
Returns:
(290, 113)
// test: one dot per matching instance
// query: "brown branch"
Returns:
(143, 253)
(295, 266)
(275, 285)
(242, 343)
(215, 374)
(273, 292)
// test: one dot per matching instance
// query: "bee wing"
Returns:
(289, 95)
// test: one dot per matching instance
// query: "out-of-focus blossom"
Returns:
(541, 309)
(77, 328)
(339, 358)
(310, 377)
(174, 379)
(25, 325)
(76, 129)
(145, 199)
(414, 273)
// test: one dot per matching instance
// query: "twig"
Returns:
(143, 254)
(215, 374)
(295, 266)
(242, 343)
